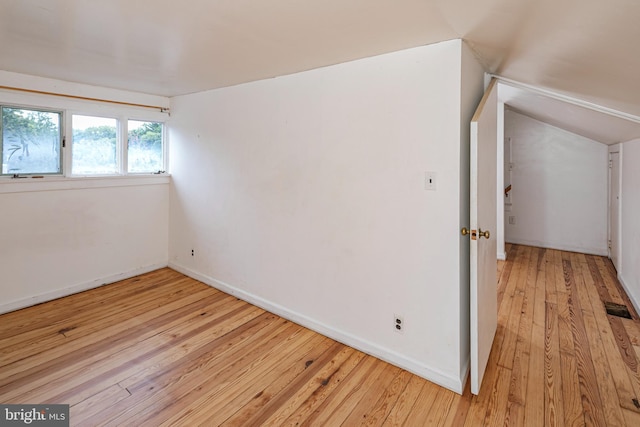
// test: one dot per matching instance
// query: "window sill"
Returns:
(57, 183)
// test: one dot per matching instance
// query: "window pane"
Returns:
(94, 145)
(30, 141)
(145, 146)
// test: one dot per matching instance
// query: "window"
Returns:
(94, 150)
(144, 150)
(31, 141)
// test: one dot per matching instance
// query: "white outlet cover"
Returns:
(401, 319)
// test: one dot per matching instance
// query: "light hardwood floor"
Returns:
(163, 349)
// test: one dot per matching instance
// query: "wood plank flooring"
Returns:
(162, 349)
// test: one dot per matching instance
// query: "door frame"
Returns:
(616, 148)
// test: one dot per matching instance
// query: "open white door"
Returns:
(484, 292)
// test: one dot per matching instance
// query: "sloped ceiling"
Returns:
(593, 124)
(584, 48)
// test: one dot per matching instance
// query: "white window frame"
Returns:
(122, 146)
(63, 143)
(69, 145)
(165, 152)
(69, 106)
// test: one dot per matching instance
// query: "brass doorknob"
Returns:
(484, 234)
(464, 231)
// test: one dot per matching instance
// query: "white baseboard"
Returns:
(629, 294)
(568, 248)
(502, 256)
(431, 374)
(59, 293)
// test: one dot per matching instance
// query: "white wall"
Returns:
(305, 194)
(560, 187)
(56, 242)
(63, 235)
(629, 273)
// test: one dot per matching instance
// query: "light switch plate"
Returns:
(430, 181)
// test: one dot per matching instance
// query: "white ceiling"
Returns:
(584, 48)
(570, 115)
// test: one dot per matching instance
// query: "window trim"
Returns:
(61, 183)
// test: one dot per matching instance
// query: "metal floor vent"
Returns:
(617, 310)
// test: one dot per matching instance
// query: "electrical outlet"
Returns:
(512, 220)
(398, 323)
(193, 252)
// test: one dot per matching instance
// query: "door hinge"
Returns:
(610, 164)
(609, 243)
(64, 142)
